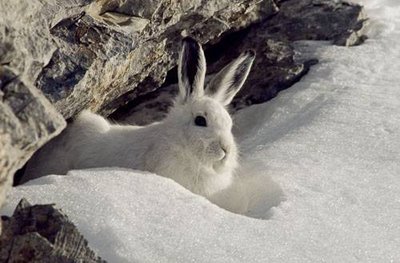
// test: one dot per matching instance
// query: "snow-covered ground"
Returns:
(332, 143)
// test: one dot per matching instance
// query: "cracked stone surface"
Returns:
(275, 67)
(82, 54)
(27, 121)
(41, 233)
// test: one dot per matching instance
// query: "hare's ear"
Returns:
(226, 83)
(191, 70)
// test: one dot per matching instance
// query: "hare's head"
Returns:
(204, 123)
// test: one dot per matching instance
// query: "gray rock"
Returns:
(337, 21)
(41, 233)
(27, 121)
(275, 67)
(85, 53)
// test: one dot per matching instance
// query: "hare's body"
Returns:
(193, 145)
(92, 142)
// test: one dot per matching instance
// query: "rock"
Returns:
(27, 121)
(82, 54)
(337, 21)
(275, 67)
(41, 233)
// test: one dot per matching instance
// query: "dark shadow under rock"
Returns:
(41, 233)
(275, 67)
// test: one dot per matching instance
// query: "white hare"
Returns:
(193, 145)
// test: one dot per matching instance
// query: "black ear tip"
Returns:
(250, 53)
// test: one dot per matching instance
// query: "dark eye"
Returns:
(200, 121)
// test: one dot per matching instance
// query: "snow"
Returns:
(332, 144)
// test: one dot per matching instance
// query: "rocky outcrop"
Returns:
(275, 67)
(27, 121)
(41, 233)
(85, 53)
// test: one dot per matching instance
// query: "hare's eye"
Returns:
(200, 121)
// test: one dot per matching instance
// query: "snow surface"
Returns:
(331, 142)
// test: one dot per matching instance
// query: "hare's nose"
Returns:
(224, 148)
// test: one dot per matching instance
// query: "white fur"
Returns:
(202, 159)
